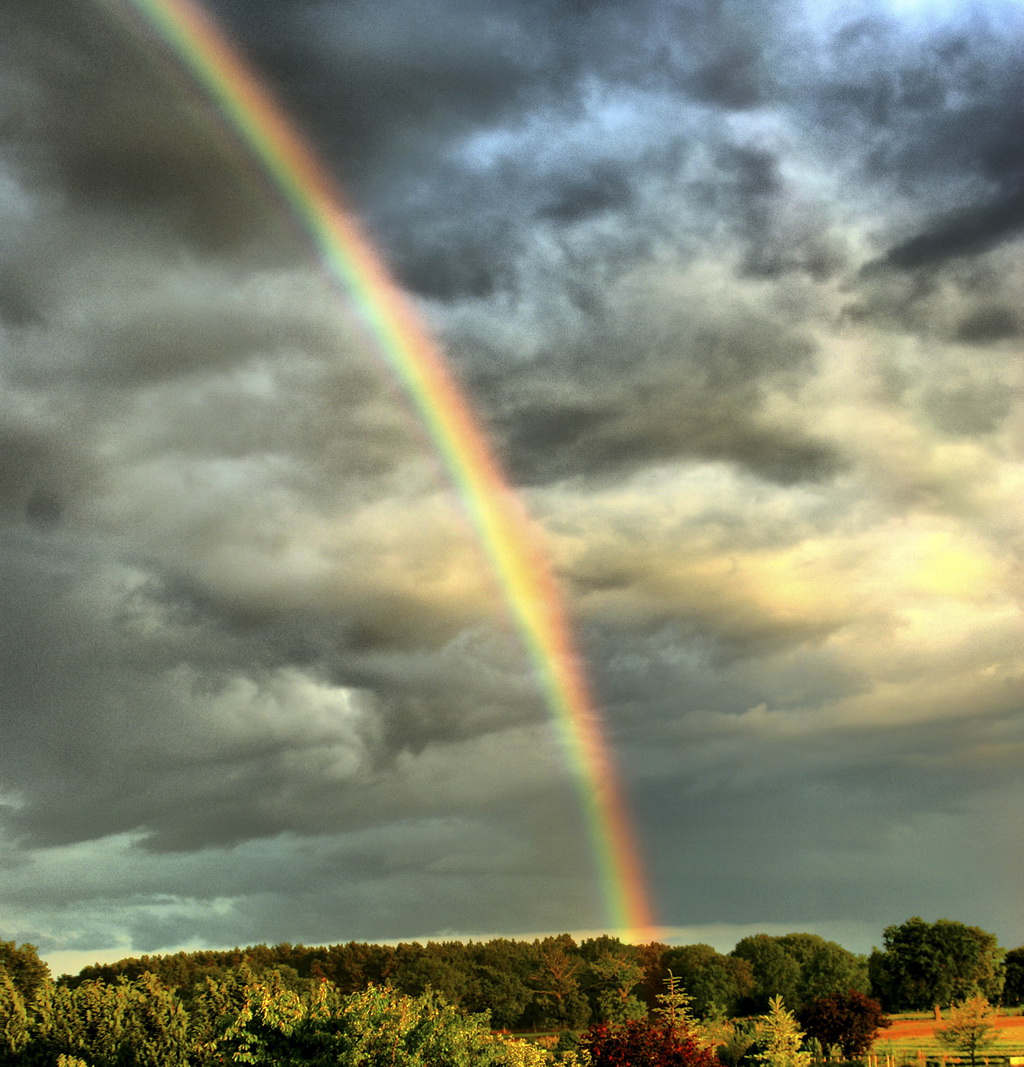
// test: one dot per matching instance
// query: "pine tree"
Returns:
(779, 1038)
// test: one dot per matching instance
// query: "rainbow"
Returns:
(206, 55)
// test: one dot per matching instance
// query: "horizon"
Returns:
(720, 937)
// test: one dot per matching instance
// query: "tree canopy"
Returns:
(799, 968)
(926, 965)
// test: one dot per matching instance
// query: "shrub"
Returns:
(640, 1043)
(970, 1027)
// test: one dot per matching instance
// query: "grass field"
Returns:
(911, 1039)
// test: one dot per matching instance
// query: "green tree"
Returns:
(558, 999)
(779, 1038)
(376, 1027)
(88, 1022)
(212, 1005)
(970, 1028)
(611, 974)
(774, 971)
(443, 967)
(1013, 969)
(737, 1042)
(500, 981)
(158, 1025)
(127, 1024)
(262, 1030)
(675, 1008)
(14, 1019)
(356, 965)
(825, 968)
(24, 968)
(718, 984)
(930, 965)
(503, 993)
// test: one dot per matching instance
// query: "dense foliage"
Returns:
(1013, 969)
(849, 1020)
(927, 965)
(442, 1002)
(719, 985)
(549, 983)
(799, 968)
(639, 1043)
(245, 1020)
(670, 1038)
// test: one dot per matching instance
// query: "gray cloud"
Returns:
(972, 232)
(732, 287)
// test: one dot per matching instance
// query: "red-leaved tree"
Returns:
(640, 1043)
(849, 1020)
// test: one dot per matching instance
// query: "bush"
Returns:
(640, 1043)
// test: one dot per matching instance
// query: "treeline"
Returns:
(262, 1021)
(549, 983)
(557, 983)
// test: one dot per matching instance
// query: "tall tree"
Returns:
(24, 967)
(612, 972)
(717, 983)
(1013, 967)
(558, 996)
(14, 1020)
(774, 971)
(930, 965)
(441, 966)
(825, 968)
(501, 970)
(126, 1024)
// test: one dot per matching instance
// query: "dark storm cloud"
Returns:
(988, 324)
(659, 380)
(218, 732)
(552, 442)
(398, 103)
(432, 71)
(121, 137)
(252, 656)
(38, 473)
(932, 112)
(455, 132)
(234, 593)
(590, 194)
(971, 232)
(837, 832)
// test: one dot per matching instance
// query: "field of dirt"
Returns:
(1011, 1029)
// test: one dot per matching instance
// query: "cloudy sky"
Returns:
(736, 289)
